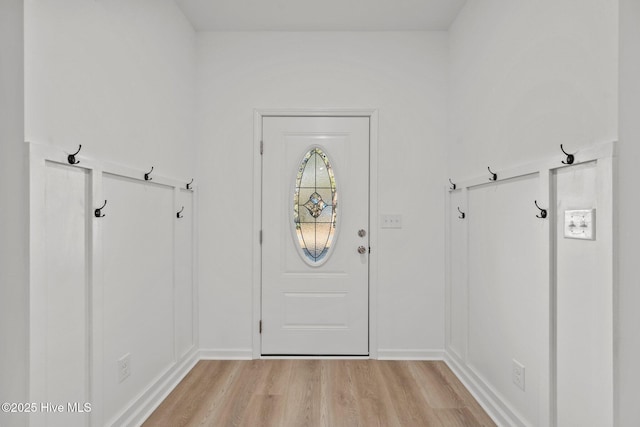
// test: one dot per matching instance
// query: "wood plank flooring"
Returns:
(319, 393)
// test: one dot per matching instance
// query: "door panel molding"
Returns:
(259, 114)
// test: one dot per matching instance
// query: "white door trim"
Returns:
(372, 114)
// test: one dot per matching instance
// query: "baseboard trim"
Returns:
(147, 402)
(410, 354)
(226, 354)
(499, 412)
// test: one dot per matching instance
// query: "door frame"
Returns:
(258, 115)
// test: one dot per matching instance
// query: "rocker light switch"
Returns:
(580, 224)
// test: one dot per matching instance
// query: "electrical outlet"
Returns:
(391, 221)
(124, 367)
(517, 373)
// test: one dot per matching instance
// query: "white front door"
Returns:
(315, 225)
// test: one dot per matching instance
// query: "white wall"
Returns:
(524, 78)
(401, 74)
(13, 214)
(117, 77)
(628, 372)
(528, 76)
(114, 76)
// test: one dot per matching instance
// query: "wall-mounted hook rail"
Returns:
(494, 176)
(462, 214)
(570, 157)
(189, 184)
(179, 214)
(146, 175)
(98, 212)
(71, 158)
(543, 212)
(453, 186)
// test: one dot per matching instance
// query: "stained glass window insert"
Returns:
(315, 205)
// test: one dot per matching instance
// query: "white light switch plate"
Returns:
(391, 221)
(580, 224)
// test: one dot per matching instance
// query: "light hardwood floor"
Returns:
(312, 393)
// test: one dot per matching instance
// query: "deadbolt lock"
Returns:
(362, 233)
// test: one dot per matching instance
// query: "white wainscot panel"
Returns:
(584, 301)
(507, 290)
(66, 207)
(138, 232)
(184, 302)
(457, 321)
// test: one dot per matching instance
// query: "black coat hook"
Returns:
(462, 214)
(98, 212)
(71, 158)
(453, 186)
(189, 184)
(570, 157)
(146, 175)
(179, 212)
(543, 212)
(494, 176)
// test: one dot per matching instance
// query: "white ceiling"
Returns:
(320, 15)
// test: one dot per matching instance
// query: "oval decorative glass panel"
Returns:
(315, 206)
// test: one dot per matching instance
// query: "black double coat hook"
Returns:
(570, 157)
(494, 176)
(71, 158)
(147, 176)
(98, 212)
(543, 212)
(462, 214)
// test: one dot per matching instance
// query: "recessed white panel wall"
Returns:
(537, 315)
(138, 286)
(403, 75)
(66, 295)
(14, 224)
(507, 290)
(584, 320)
(107, 285)
(183, 293)
(457, 321)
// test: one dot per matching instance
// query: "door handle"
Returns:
(362, 250)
